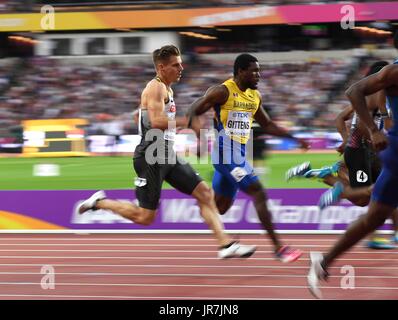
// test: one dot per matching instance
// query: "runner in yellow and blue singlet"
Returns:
(236, 103)
(233, 122)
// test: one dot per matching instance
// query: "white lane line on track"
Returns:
(180, 266)
(218, 275)
(92, 245)
(174, 251)
(239, 286)
(137, 245)
(160, 238)
(171, 258)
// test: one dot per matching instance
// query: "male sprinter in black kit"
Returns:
(155, 159)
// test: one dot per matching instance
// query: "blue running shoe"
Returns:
(323, 172)
(298, 171)
(331, 196)
(336, 167)
(380, 243)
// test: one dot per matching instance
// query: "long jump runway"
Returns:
(179, 267)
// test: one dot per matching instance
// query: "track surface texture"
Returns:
(181, 267)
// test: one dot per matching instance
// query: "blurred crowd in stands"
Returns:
(34, 5)
(305, 95)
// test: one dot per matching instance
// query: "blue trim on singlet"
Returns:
(392, 106)
(388, 106)
(219, 125)
(393, 103)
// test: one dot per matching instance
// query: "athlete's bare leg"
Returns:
(374, 218)
(256, 191)
(260, 202)
(208, 209)
(223, 203)
(358, 196)
(330, 180)
(128, 210)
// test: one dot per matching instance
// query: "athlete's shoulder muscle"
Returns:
(217, 94)
(154, 95)
(384, 79)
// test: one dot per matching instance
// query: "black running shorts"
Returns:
(363, 166)
(150, 178)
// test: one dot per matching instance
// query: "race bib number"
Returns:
(362, 176)
(140, 182)
(238, 124)
(238, 173)
(169, 134)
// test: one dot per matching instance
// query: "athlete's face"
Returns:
(172, 69)
(251, 76)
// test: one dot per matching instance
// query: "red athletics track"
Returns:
(175, 266)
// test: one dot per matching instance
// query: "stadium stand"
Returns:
(310, 92)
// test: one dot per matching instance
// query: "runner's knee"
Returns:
(146, 218)
(257, 192)
(361, 202)
(223, 205)
(204, 194)
(376, 219)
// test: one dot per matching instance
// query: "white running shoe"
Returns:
(316, 274)
(298, 171)
(89, 204)
(236, 250)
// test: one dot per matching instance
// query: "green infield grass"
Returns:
(117, 172)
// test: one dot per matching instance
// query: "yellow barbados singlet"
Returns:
(235, 116)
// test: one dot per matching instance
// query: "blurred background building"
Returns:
(94, 60)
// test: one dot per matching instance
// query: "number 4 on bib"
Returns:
(362, 176)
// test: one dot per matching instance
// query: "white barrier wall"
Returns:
(106, 43)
